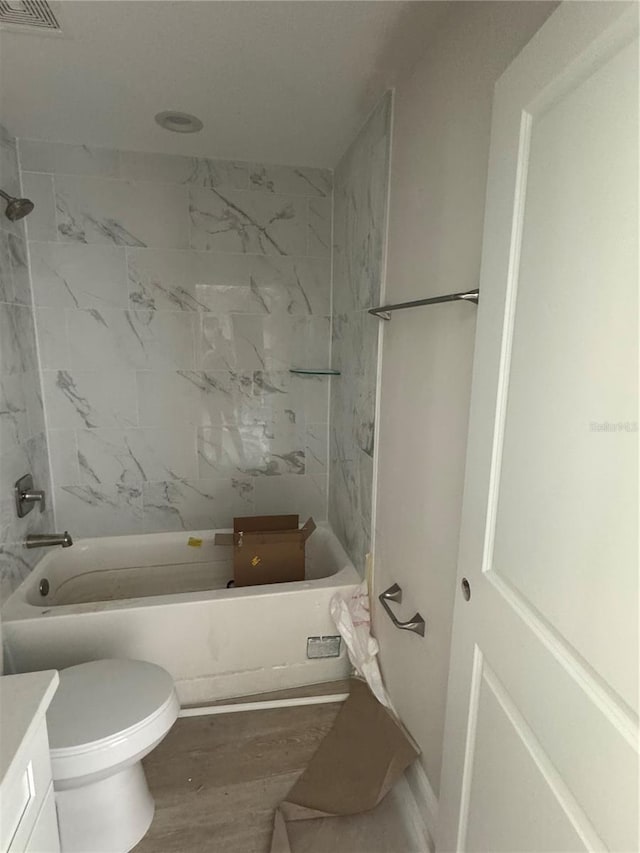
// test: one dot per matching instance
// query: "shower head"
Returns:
(16, 208)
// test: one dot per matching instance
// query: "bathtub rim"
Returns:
(17, 607)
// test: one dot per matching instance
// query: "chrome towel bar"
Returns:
(394, 593)
(384, 311)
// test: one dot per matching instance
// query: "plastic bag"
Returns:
(352, 616)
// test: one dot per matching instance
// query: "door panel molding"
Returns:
(594, 686)
(470, 746)
(576, 815)
(510, 306)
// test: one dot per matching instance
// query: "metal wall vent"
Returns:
(28, 13)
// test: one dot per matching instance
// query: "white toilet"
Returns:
(105, 717)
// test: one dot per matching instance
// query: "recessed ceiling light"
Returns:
(179, 122)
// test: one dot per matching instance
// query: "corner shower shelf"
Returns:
(313, 371)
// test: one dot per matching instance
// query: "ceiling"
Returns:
(279, 82)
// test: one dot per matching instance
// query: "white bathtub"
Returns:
(155, 598)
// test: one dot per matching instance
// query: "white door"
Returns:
(541, 734)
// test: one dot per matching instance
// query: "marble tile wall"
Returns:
(23, 445)
(172, 295)
(360, 210)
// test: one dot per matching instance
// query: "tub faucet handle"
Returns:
(34, 496)
(26, 496)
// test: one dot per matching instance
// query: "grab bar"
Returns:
(394, 593)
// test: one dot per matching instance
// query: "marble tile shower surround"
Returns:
(172, 295)
(360, 212)
(23, 445)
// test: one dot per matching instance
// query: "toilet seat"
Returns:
(105, 713)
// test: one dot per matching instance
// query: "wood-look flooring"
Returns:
(217, 780)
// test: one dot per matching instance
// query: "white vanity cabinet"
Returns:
(28, 822)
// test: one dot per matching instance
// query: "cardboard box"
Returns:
(267, 548)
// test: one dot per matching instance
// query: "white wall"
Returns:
(439, 160)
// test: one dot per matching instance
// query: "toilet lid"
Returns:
(103, 698)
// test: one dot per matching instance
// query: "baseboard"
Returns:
(421, 803)
(237, 707)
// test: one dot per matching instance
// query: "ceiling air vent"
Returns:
(28, 13)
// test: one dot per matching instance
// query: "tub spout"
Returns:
(47, 540)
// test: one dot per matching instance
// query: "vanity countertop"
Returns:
(24, 700)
